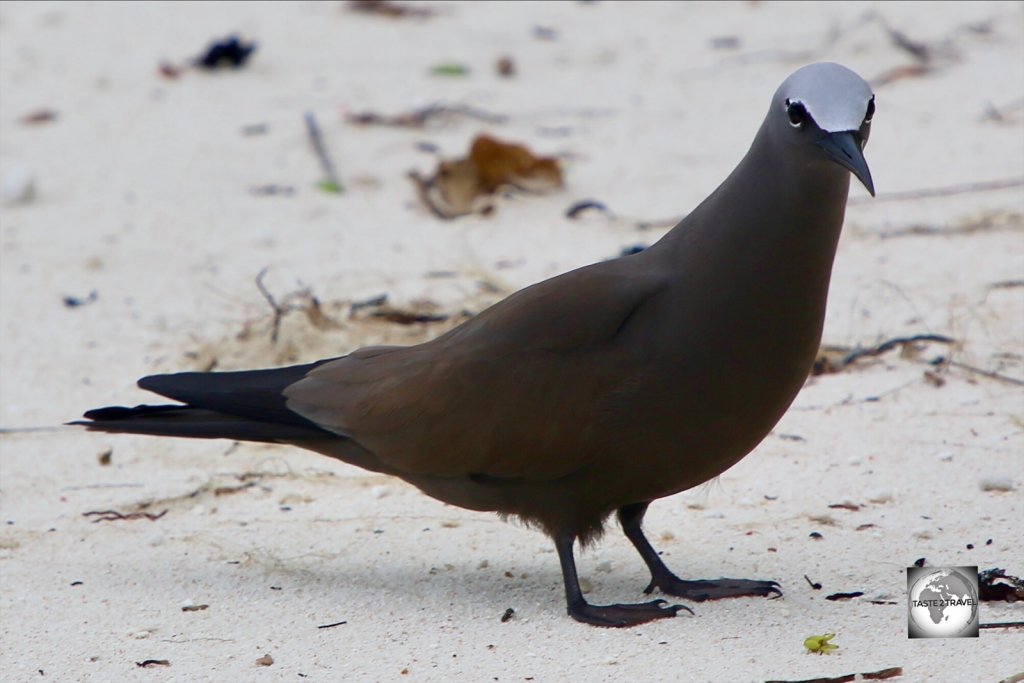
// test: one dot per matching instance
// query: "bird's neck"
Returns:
(759, 251)
(776, 229)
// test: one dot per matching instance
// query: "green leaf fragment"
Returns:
(330, 186)
(449, 69)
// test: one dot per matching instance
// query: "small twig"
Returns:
(226, 490)
(418, 118)
(1003, 624)
(317, 140)
(576, 209)
(816, 586)
(987, 373)
(658, 223)
(899, 73)
(86, 487)
(145, 664)
(337, 623)
(424, 185)
(882, 674)
(917, 50)
(844, 596)
(825, 365)
(893, 343)
(387, 8)
(403, 317)
(982, 186)
(987, 222)
(278, 311)
(299, 300)
(1002, 284)
(114, 515)
(372, 302)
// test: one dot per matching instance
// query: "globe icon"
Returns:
(944, 604)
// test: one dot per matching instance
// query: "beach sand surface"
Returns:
(137, 218)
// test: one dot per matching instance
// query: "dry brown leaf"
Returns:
(463, 186)
(500, 163)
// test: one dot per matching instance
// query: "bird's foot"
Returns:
(620, 616)
(713, 589)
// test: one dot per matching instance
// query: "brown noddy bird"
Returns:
(599, 390)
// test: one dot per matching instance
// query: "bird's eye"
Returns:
(871, 110)
(797, 114)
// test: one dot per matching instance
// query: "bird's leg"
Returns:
(603, 615)
(631, 517)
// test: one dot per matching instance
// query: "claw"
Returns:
(620, 616)
(702, 590)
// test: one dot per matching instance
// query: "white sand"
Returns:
(143, 197)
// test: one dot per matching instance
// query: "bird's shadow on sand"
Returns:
(534, 581)
(340, 587)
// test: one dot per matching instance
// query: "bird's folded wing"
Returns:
(516, 392)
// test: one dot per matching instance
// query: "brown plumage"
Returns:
(600, 390)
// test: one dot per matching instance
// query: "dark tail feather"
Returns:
(245, 406)
(196, 423)
(254, 394)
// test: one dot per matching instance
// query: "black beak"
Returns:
(844, 148)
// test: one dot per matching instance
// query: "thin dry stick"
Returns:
(337, 623)
(826, 366)
(1003, 624)
(891, 344)
(317, 140)
(278, 310)
(114, 515)
(983, 186)
(419, 118)
(987, 373)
